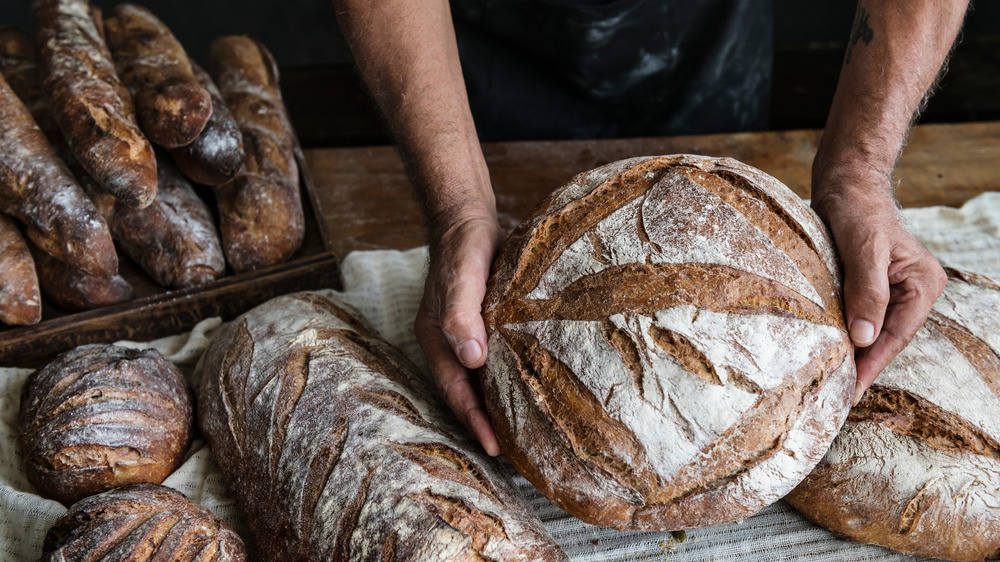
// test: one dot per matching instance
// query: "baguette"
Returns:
(173, 239)
(37, 189)
(217, 154)
(260, 210)
(20, 301)
(89, 102)
(667, 346)
(140, 522)
(75, 290)
(171, 105)
(334, 451)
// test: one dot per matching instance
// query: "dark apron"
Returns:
(559, 69)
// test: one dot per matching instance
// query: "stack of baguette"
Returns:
(105, 125)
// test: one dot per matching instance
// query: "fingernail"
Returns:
(469, 352)
(858, 393)
(862, 332)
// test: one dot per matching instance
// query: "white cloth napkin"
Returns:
(386, 287)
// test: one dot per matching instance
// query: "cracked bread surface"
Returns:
(916, 468)
(666, 343)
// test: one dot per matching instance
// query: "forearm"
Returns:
(408, 57)
(894, 54)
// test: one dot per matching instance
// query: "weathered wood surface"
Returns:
(367, 202)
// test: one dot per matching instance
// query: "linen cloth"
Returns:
(386, 287)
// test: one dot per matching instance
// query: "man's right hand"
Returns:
(449, 324)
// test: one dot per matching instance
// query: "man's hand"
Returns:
(449, 324)
(890, 279)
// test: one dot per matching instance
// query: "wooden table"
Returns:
(366, 199)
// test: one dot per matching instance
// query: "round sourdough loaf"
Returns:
(141, 522)
(916, 468)
(100, 416)
(666, 343)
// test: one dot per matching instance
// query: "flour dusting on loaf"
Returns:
(666, 343)
(335, 450)
(916, 467)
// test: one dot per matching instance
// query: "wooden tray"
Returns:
(157, 312)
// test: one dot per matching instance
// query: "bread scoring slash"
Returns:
(667, 347)
(916, 468)
(336, 450)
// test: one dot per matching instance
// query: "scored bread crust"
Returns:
(916, 468)
(260, 209)
(93, 108)
(335, 450)
(99, 416)
(141, 521)
(666, 343)
(171, 105)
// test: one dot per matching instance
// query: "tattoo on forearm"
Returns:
(860, 31)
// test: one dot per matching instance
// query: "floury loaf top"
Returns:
(666, 343)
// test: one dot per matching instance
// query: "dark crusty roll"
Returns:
(141, 522)
(666, 343)
(916, 468)
(173, 239)
(260, 210)
(75, 290)
(171, 105)
(100, 416)
(89, 102)
(38, 189)
(20, 299)
(217, 154)
(335, 451)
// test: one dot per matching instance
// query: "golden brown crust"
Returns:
(37, 189)
(141, 522)
(638, 292)
(20, 300)
(100, 416)
(173, 239)
(171, 105)
(75, 290)
(308, 411)
(260, 210)
(217, 154)
(916, 468)
(89, 102)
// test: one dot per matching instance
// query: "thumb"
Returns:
(866, 296)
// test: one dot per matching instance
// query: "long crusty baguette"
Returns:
(171, 105)
(260, 210)
(173, 239)
(666, 343)
(37, 189)
(141, 522)
(89, 102)
(75, 290)
(217, 154)
(335, 450)
(20, 300)
(916, 468)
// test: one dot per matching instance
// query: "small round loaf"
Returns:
(140, 522)
(100, 416)
(666, 343)
(916, 468)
